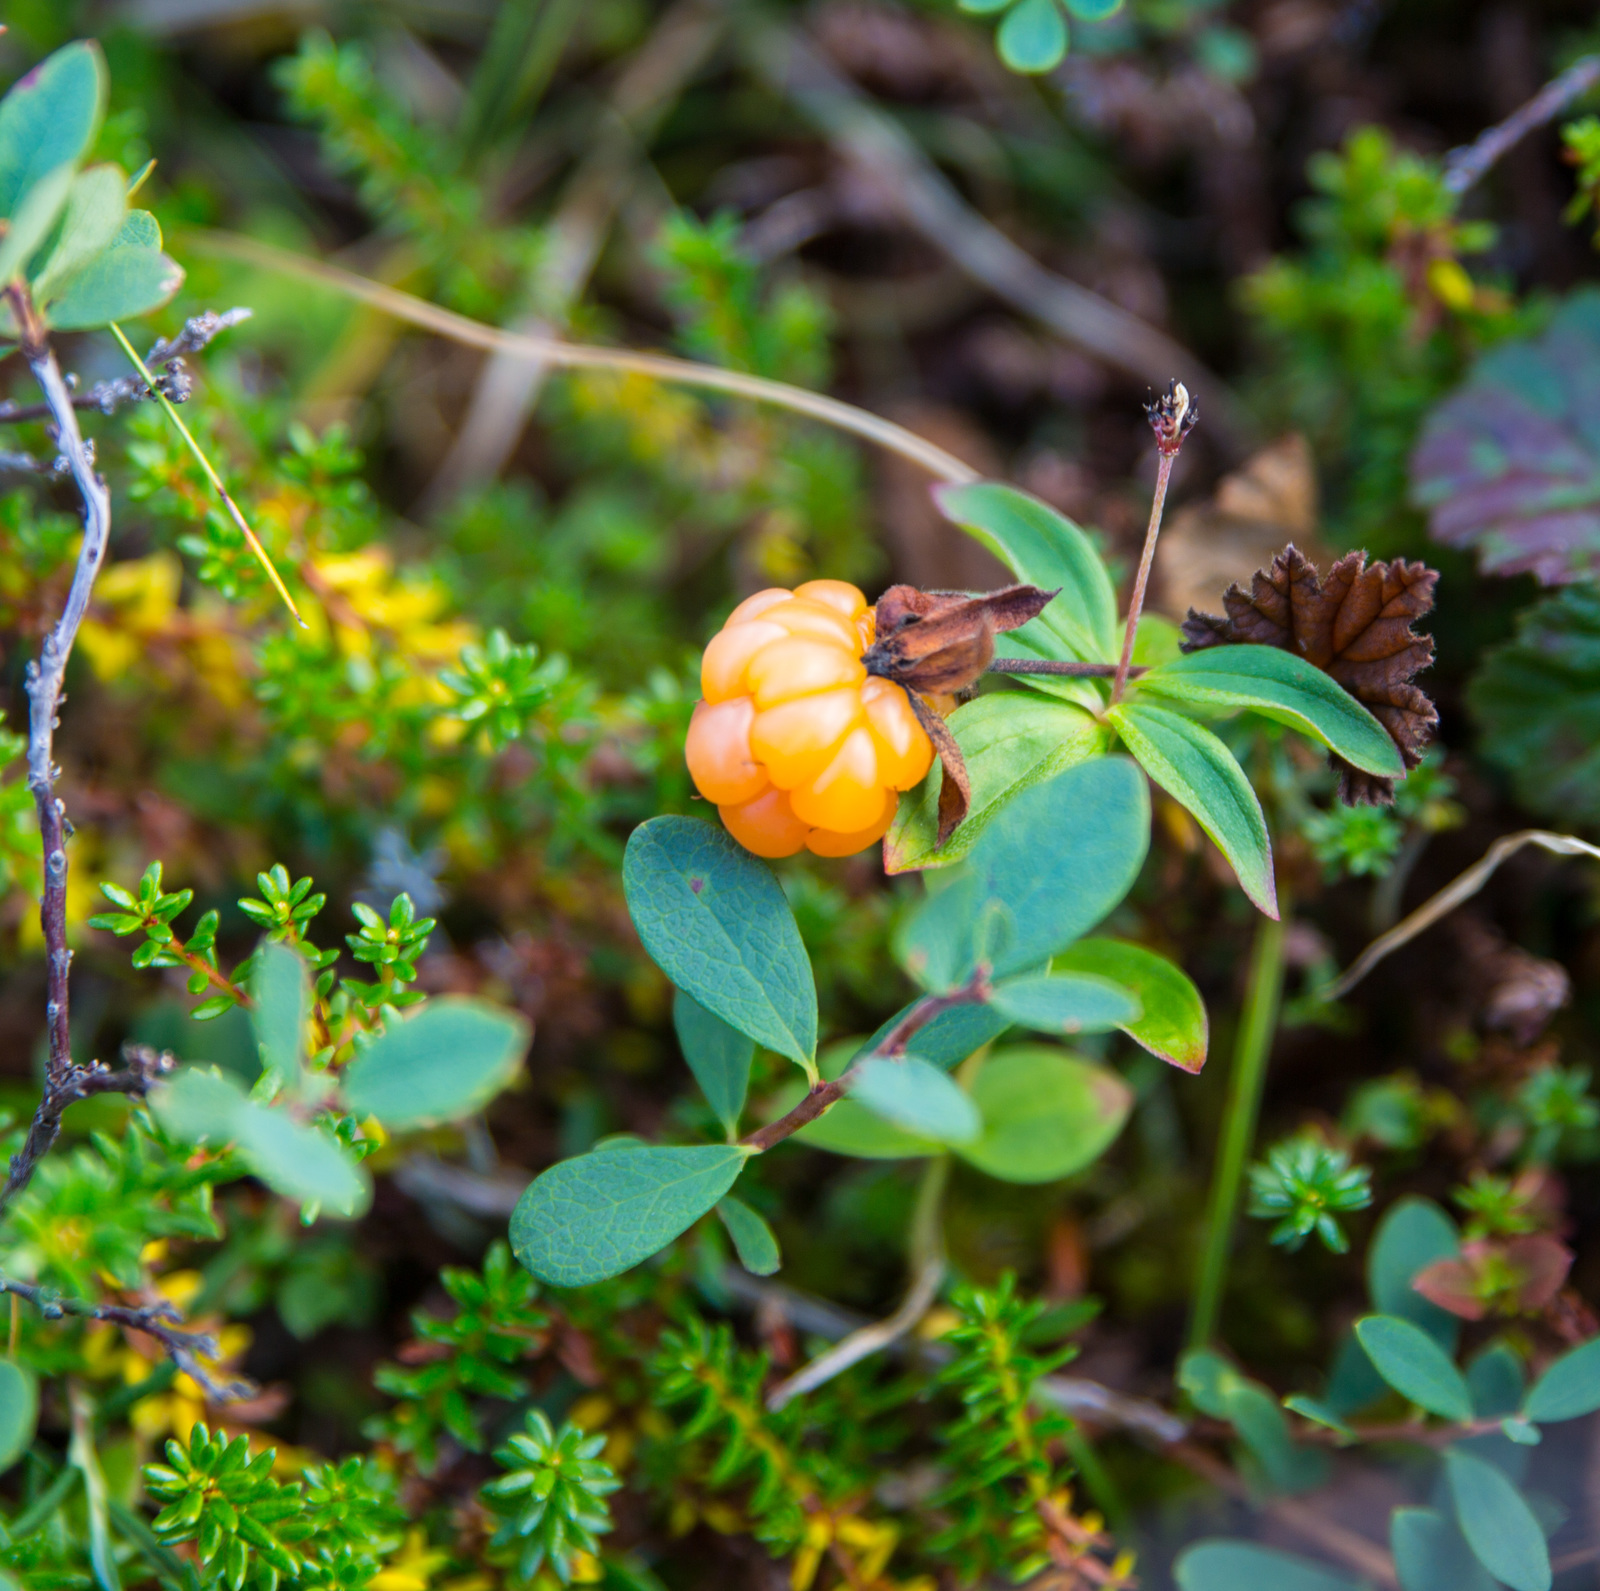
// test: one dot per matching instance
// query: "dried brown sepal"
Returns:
(939, 642)
(1356, 627)
(955, 788)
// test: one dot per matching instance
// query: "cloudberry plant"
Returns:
(797, 747)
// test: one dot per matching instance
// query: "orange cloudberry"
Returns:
(798, 747)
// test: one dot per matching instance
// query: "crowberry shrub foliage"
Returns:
(372, 846)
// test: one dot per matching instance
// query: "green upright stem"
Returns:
(1257, 1026)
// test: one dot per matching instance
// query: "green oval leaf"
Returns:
(35, 216)
(752, 1238)
(1412, 1235)
(1010, 742)
(601, 1213)
(1430, 1554)
(282, 995)
(1045, 549)
(300, 1162)
(1033, 37)
(847, 1128)
(1568, 1388)
(445, 1062)
(19, 1412)
(1415, 1366)
(718, 1055)
(1495, 1380)
(1172, 1018)
(96, 206)
(1499, 1526)
(1200, 774)
(49, 118)
(1049, 867)
(1069, 1003)
(1285, 687)
(1243, 1566)
(1046, 1114)
(916, 1097)
(122, 282)
(714, 920)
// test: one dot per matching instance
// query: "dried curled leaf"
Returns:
(937, 643)
(1356, 627)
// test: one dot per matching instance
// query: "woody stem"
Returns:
(1142, 579)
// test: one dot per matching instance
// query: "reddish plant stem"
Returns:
(825, 1094)
(1142, 579)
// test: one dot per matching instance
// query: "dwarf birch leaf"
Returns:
(752, 1238)
(96, 206)
(600, 1214)
(48, 119)
(445, 1062)
(122, 282)
(1172, 1017)
(1415, 1366)
(714, 920)
(35, 216)
(718, 1055)
(1200, 774)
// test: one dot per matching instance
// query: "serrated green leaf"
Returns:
(19, 1411)
(752, 1238)
(916, 1097)
(1045, 549)
(1010, 742)
(447, 1061)
(1049, 867)
(1430, 1554)
(35, 216)
(49, 118)
(1172, 1017)
(1243, 1566)
(1046, 1114)
(1415, 1366)
(714, 920)
(1285, 687)
(1033, 37)
(597, 1215)
(1568, 1388)
(122, 282)
(1200, 774)
(1499, 1526)
(718, 1055)
(93, 215)
(279, 987)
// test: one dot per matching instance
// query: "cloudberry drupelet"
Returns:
(794, 743)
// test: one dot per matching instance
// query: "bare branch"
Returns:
(1465, 166)
(161, 1321)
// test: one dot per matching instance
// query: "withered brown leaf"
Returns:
(937, 643)
(1356, 627)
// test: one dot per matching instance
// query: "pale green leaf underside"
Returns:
(1065, 1003)
(916, 1097)
(718, 1055)
(753, 1240)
